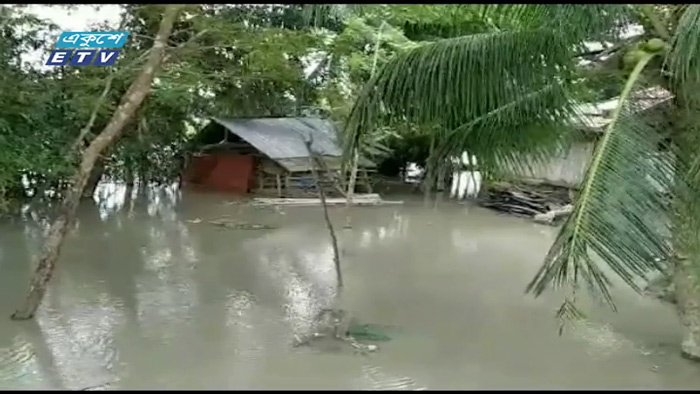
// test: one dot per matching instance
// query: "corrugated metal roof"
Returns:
(283, 138)
(596, 116)
(298, 164)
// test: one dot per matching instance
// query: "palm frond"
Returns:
(318, 14)
(619, 212)
(513, 138)
(452, 82)
(591, 22)
(684, 58)
(477, 93)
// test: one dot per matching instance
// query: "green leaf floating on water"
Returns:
(368, 332)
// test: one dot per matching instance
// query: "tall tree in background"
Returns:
(130, 103)
(226, 60)
(509, 97)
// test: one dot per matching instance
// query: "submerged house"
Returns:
(269, 156)
(569, 168)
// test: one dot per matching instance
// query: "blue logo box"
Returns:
(83, 57)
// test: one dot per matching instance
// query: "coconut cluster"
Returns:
(636, 52)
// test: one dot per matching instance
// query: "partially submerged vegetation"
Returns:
(457, 86)
(410, 84)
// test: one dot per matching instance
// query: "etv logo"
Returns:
(83, 43)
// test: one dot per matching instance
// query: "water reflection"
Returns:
(111, 197)
(147, 298)
(465, 184)
(396, 228)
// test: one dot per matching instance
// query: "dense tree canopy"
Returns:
(238, 60)
(224, 61)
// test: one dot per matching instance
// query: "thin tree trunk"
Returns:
(351, 187)
(340, 318)
(93, 116)
(429, 177)
(456, 185)
(471, 177)
(438, 174)
(130, 102)
(142, 184)
(322, 196)
(356, 151)
(129, 179)
(441, 175)
(129, 189)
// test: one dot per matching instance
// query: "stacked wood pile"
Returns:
(358, 199)
(541, 202)
(238, 225)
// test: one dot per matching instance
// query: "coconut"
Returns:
(631, 58)
(655, 45)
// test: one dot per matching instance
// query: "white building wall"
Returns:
(567, 170)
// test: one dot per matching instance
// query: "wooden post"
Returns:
(441, 172)
(351, 187)
(261, 180)
(278, 178)
(458, 185)
(353, 177)
(368, 181)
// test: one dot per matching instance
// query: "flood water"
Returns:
(151, 296)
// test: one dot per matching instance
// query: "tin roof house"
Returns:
(569, 168)
(268, 156)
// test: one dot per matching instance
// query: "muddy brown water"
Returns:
(147, 297)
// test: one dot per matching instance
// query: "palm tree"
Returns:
(509, 97)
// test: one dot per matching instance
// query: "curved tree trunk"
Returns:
(687, 286)
(686, 231)
(130, 102)
(315, 160)
(351, 187)
(94, 179)
(686, 278)
(686, 268)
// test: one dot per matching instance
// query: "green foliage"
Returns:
(224, 60)
(424, 22)
(431, 85)
(617, 214)
(684, 59)
(509, 96)
(28, 138)
(407, 145)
